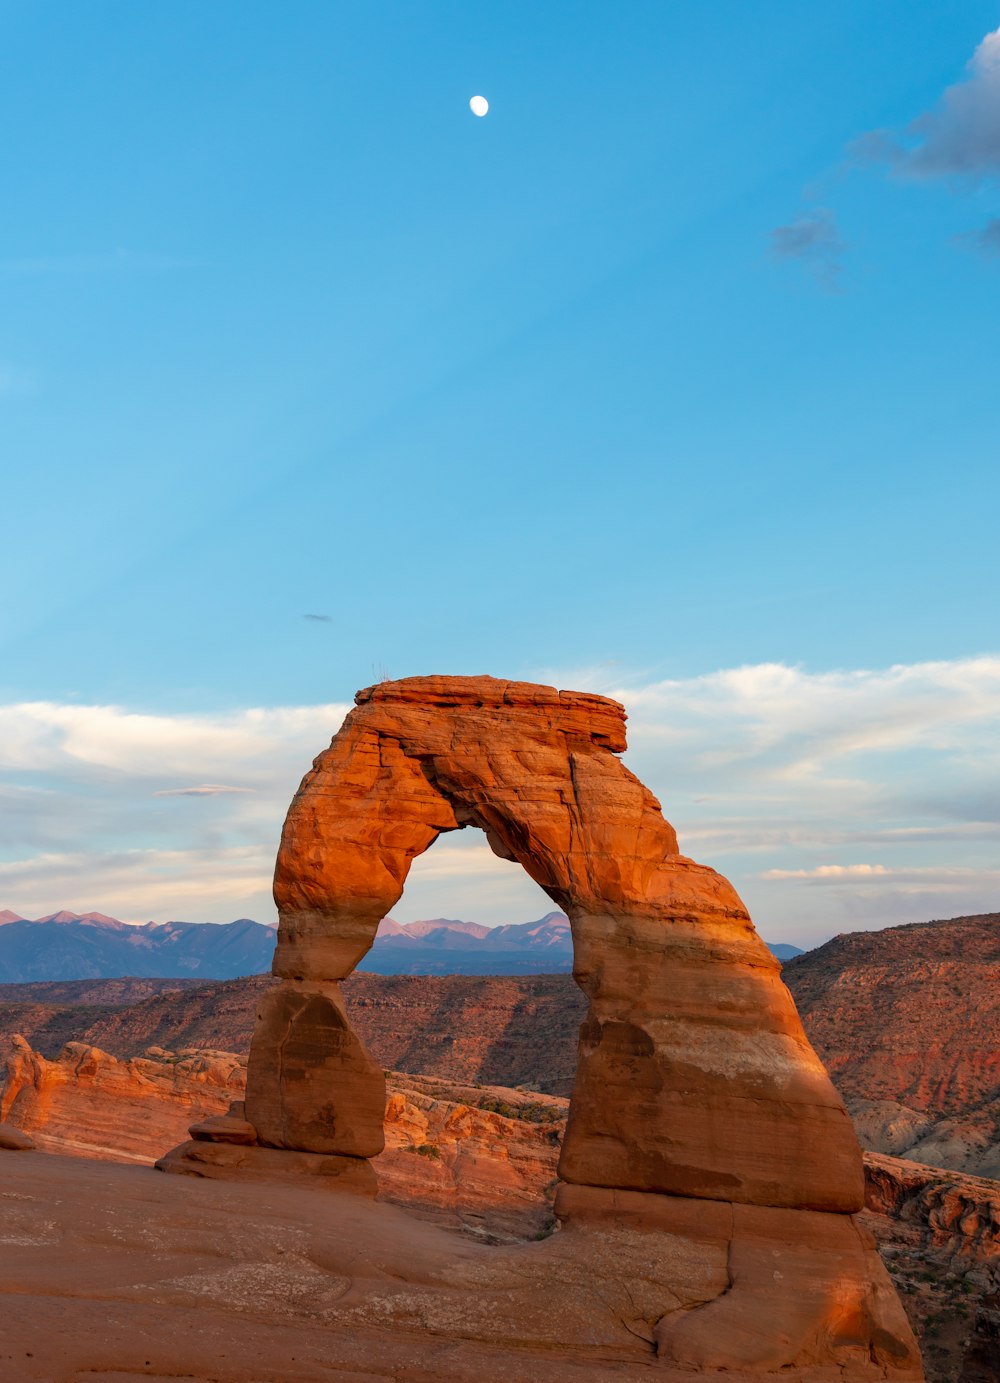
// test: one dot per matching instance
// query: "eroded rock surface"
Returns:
(939, 1233)
(90, 1103)
(116, 1273)
(707, 1160)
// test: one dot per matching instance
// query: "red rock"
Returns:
(695, 1077)
(88, 1102)
(13, 1140)
(223, 1129)
(203, 1158)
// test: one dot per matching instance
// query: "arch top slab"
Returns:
(695, 1077)
(535, 768)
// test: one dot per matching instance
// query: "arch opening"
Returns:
(467, 1002)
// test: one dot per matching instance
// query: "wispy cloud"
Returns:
(147, 885)
(203, 790)
(957, 141)
(926, 880)
(986, 240)
(831, 873)
(814, 241)
(960, 137)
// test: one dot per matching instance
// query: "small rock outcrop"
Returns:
(700, 1113)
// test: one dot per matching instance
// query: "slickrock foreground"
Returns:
(115, 1273)
(483, 1160)
(708, 1168)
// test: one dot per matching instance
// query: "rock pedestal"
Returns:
(695, 1083)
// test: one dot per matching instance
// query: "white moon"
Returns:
(479, 105)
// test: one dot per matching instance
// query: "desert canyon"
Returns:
(701, 1209)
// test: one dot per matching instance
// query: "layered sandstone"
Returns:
(118, 1273)
(939, 1233)
(482, 1159)
(88, 1102)
(907, 1020)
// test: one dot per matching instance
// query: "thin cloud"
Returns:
(986, 240)
(142, 885)
(960, 137)
(832, 872)
(814, 241)
(927, 880)
(322, 619)
(203, 790)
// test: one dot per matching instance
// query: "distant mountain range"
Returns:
(91, 946)
(448, 946)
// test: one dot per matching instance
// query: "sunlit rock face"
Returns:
(700, 1113)
(695, 1077)
(88, 1103)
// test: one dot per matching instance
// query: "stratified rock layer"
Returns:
(89, 1103)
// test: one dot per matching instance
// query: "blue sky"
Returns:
(680, 363)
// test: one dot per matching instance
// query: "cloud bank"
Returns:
(833, 800)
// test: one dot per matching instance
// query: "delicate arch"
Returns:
(695, 1077)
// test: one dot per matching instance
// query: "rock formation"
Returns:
(91, 1104)
(939, 1234)
(907, 1020)
(700, 1113)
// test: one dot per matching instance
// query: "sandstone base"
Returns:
(225, 1161)
(236, 1281)
(799, 1287)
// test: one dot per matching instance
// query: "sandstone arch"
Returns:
(695, 1077)
(709, 1170)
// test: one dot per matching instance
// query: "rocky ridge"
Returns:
(907, 1021)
